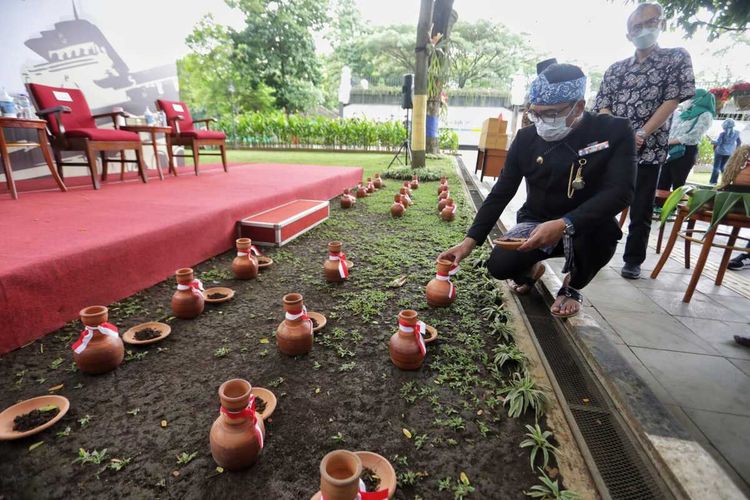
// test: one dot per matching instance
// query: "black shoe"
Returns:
(743, 341)
(631, 271)
(742, 261)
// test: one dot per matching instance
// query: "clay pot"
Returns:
(404, 347)
(443, 195)
(407, 185)
(245, 265)
(397, 209)
(443, 180)
(449, 212)
(237, 434)
(440, 291)
(414, 182)
(347, 200)
(334, 268)
(441, 204)
(378, 182)
(370, 186)
(442, 187)
(99, 349)
(339, 475)
(294, 336)
(187, 301)
(405, 198)
(361, 191)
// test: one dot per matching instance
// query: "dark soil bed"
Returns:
(432, 424)
(34, 419)
(147, 334)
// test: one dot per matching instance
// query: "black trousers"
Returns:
(674, 173)
(641, 210)
(591, 252)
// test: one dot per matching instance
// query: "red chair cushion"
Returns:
(174, 109)
(204, 134)
(102, 134)
(80, 116)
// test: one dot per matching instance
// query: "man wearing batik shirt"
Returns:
(646, 89)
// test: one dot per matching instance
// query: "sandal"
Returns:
(529, 282)
(570, 294)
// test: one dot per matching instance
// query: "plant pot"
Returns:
(335, 268)
(237, 435)
(187, 301)
(339, 475)
(407, 347)
(405, 197)
(245, 265)
(414, 182)
(440, 291)
(441, 204)
(442, 187)
(347, 200)
(370, 186)
(361, 191)
(99, 348)
(407, 185)
(397, 209)
(294, 336)
(448, 213)
(378, 182)
(444, 194)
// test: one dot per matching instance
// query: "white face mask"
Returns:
(646, 38)
(555, 131)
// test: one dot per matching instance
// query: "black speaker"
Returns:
(407, 91)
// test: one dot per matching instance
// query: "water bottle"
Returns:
(162, 119)
(7, 106)
(149, 116)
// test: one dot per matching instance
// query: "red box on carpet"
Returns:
(280, 225)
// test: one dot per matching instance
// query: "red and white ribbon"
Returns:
(252, 250)
(341, 257)
(453, 208)
(248, 412)
(86, 335)
(447, 277)
(298, 315)
(418, 331)
(196, 285)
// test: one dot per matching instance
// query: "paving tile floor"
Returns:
(684, 352)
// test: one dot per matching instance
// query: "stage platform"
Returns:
(60, 252)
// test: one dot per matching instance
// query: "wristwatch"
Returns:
(570, 230)
(641, 132)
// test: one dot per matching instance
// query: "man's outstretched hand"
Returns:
(544, 235)
(459, 252)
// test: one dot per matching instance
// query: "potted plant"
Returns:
(722, 95)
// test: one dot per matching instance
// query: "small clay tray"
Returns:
(509, 243)
(129, 336)
(264, 262)
(268, 397)
(349, 264)
(218, 289)
(9, 414)
(380, 466)
(319, 318)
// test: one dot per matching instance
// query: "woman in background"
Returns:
(724, 146)
(684, 136)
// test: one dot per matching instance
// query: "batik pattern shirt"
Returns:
(635, 90)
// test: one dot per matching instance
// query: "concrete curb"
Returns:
(686, 467)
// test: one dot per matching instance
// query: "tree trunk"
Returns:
(433, 123)
(420, 85)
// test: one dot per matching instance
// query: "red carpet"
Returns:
(60, 252)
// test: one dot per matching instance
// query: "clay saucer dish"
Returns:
(349, 264)
(129, 336)
(218, 289)
(432, 334)
(509, 243)
(9, 414)
(319, 319)
(268, 397)
(264, 262)
(380, 466)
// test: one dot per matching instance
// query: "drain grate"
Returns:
(622, 466)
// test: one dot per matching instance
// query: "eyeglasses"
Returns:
(649, 23)
(549, 116)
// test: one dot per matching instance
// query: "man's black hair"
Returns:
(557, 73)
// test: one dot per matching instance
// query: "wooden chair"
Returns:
(72, 127)
(185, 134)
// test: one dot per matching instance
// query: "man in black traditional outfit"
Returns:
(580, 173)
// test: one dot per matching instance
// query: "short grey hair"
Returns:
(643, 6)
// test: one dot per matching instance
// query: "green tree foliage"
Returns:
(483, 52)
(717, 16)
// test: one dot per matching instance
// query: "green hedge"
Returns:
(276, 129)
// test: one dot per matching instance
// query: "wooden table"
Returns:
(5, 147)
(490, 162)
(152, 130)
